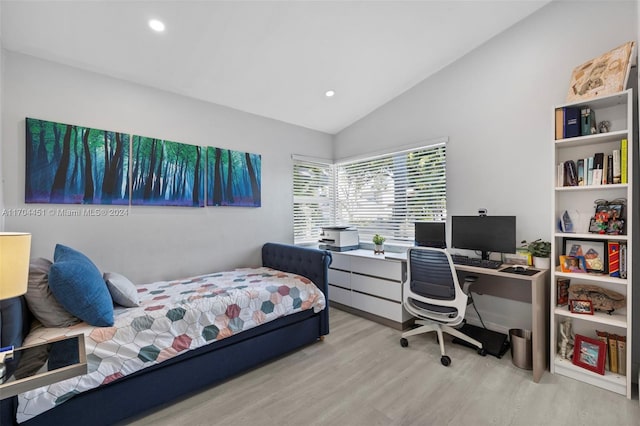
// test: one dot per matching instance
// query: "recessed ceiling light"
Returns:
(156, 25)
(329, 93)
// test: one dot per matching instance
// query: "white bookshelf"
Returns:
(618, 110)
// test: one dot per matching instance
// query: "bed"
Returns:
(192, 370)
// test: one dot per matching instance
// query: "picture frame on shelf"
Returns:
(594, 253)
(578, 306)
(589, 353)
(573, 264)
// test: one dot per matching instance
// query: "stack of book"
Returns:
(616, 361)
(575, 121)
(599, 169)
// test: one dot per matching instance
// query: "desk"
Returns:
(506, 286)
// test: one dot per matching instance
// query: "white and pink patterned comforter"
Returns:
(174, 317)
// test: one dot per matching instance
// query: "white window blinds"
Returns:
(385, 194)
(313, 200)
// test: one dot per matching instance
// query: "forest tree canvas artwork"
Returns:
(233, 178)
(68, 164)
(165, 173)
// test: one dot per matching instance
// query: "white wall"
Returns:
(152, 242)
(495, 105)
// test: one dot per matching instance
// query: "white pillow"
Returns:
(123, 292)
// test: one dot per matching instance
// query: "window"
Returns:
(384, 194)
(313, 201)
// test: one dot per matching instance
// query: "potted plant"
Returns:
(378, 241)
(540, 250)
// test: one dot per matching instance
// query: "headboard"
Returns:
(308, 262)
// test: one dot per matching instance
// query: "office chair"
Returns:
(432, 294)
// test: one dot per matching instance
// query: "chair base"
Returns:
(440, 329)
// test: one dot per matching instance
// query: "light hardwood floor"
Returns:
(360, 375)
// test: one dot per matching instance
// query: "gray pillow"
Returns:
(41, 301)
(123, 292)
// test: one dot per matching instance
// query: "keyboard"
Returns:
(459, 259)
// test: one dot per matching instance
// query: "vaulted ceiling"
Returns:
(271, 58)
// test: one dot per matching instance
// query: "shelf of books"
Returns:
(591, 248)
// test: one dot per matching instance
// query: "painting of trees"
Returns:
(68, 164)
(233, 178)
(165, 173)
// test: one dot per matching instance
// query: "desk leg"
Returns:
(540, 325)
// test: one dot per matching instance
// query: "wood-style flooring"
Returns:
(360, 375)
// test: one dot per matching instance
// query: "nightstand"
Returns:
(42, 364)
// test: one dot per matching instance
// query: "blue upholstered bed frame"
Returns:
(190, 372)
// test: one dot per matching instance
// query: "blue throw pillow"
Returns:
(78, 285)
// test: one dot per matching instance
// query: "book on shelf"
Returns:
(616, 166)
(559, 123)
(613, 353)
(603, 336)
(623, 260)
(623, 161)
(562, 291)
(605, 169)
(560, 174)
(622, 355)
(610, 168)
(598, 165)
(589, 169)
(580, 165)
(613, 255)
(587, 121)
(571, 122)
(570, 173)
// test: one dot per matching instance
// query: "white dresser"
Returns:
(369, 285)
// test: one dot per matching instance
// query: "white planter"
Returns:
(542, 262)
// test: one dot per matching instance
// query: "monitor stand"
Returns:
(485, 255)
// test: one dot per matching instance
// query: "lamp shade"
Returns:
(15, 248)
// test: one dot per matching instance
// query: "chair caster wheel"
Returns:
(404, 342)
(482, 352)
(445, 360)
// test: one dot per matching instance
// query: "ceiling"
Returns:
(271, 58)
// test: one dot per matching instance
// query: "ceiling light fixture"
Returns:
(329, 93)
(156, 25)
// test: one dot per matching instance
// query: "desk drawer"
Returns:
(382, 288)
(388, 269)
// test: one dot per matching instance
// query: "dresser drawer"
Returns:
(388, 269)
(378, 287)
(380, 307)
(339, 295)
(340, 278)
(340, 261)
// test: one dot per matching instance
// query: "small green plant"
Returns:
(378, 239)
(538, 248)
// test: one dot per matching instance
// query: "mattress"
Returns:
(173, 317)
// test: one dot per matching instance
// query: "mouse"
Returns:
(519, 269)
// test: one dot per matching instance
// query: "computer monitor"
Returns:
(484, 233)
(430, 234)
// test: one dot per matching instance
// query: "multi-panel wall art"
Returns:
(67, 164)
(234, 178)
(166, 173)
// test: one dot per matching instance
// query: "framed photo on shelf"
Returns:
(589, 353)
(573, 264)
(581, 306)
(593, 251)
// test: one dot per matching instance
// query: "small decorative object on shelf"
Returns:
(378, 241)
(603, 127)
(589, 353)
(608, 217)
(581, 306)
(602, 298)
(567, 339)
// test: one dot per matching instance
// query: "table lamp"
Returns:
(15, 248)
